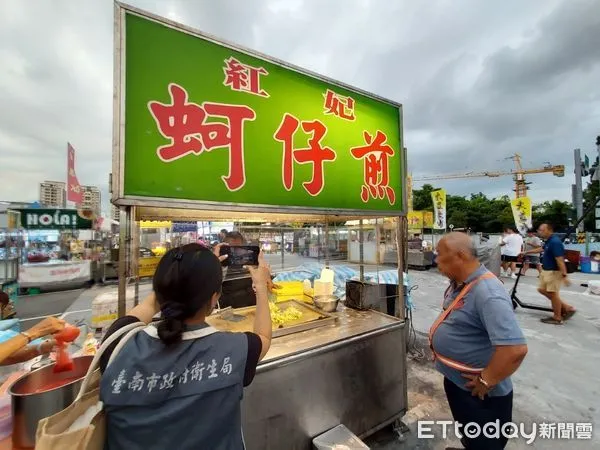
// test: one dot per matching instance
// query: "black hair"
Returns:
(549, 225)
(532, 230)
(236, 236)
(224, 231)
(185, 280)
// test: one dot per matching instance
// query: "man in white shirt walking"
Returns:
(512, 246)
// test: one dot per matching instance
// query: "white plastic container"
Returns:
(327, 275)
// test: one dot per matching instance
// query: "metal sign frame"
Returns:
(118, 160)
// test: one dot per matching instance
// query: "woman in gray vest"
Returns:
(179, 384)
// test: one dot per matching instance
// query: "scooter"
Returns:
(515, 299)
(513, 296)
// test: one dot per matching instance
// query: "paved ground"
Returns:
(32, 308)
(558, 381)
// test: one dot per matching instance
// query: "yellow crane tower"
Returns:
(518, 173)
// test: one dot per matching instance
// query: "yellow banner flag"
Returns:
(522, 213)
(415, 220)
(427, 219)
(439, 209)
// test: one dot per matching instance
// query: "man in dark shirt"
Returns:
(554, 275)
(237, 283)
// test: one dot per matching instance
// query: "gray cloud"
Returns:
(539, 98)
(479, 81)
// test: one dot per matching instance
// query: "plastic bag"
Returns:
(64, 362)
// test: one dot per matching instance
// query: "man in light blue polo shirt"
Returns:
(477, 341)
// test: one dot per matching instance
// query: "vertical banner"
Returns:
(522, 213)
(74, 192)
(439, 209)
(409, 193)
(427, 219)
(415, 220)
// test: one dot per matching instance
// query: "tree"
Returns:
(422, 198)
(556, 212)
(490, 215)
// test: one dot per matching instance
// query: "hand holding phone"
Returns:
(239, 256)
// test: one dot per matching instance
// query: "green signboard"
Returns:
(54, 219)
(202, 121)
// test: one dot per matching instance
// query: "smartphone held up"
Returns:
(240, 255)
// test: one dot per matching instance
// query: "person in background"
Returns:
(222, 235)
(234, 238)
(238, 290)
(7, 308)
(512, 244)
(554, 275)
(179, 384)
(533, 245)
(476, 341)
(16, 349)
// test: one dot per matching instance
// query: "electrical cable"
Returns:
(411, 345)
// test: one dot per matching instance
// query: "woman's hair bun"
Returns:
(170, 330)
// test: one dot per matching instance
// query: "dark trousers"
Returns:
(467, 408)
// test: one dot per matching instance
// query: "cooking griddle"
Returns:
(242, 319)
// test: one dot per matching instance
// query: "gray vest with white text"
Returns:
(182, 397)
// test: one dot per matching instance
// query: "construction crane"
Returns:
(518, 173)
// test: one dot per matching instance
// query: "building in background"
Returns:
(53, 194)
(114, 213)
(92, 199)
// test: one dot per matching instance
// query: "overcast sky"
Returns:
(479, 81)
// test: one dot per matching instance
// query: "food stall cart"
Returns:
(58, 269)
(231, 135)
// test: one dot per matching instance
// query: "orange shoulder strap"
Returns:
(465, 290)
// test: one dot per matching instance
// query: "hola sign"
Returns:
(53, 219)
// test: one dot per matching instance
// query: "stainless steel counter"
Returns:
(349, 323)
(353, 372)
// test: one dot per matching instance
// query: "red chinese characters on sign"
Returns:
(185, 124)
(375, 155)
(314, 154)
(338, 105)
(244, 78)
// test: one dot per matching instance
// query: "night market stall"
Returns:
(231, 135)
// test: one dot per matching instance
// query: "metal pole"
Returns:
(282, 247)
(134, 253)
(597, 175)
(401, 239)
(361, 250)
(598, 147)
(319, 243)
(587, 243)
(124, 241)
(578, 189)
(326, 242)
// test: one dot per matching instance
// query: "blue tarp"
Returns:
(341, 275)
